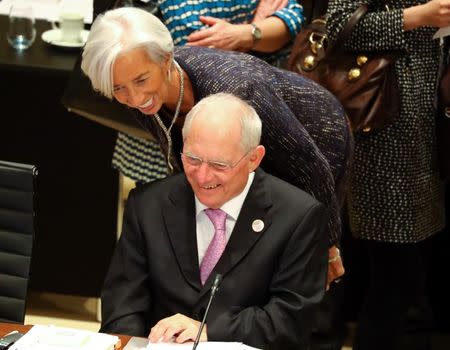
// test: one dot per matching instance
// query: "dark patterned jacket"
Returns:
(395, 193)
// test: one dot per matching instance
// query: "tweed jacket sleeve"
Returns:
(381, 29)
(292, 16)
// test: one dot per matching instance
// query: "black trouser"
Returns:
(397, 284)
(329, 329)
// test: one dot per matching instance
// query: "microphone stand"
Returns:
(214, 289)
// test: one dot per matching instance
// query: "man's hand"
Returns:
(177, 328)
(222, 35)
(335, 266)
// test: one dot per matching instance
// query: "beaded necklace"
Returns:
(174, 119)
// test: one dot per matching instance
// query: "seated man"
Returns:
(270, 244)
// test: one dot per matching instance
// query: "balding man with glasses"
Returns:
(225, 216)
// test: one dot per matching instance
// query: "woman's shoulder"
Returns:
(204, 57)
(212, 70)
(215, 70)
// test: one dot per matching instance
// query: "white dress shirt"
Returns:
(205, 228)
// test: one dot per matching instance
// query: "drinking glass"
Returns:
(21, 31)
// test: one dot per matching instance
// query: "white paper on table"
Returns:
(246, 347)
(136, 343)
(442, 32)
(49, 9)
(210, 345)
(41, 337)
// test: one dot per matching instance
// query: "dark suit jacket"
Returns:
(271, 279)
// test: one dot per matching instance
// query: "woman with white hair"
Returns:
(263, 27)
(130, 56)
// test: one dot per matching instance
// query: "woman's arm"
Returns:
(382, 28)
(276, 31)
(435, 13)
(379, 30)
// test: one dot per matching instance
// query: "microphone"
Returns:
(214, 289)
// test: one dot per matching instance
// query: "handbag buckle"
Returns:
(317, 45)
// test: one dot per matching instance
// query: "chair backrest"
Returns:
(17, 228)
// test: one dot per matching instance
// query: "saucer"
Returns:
(53, 36)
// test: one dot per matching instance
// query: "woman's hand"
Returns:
(177, 328)
(435, 13)
(335, 266)
(267, 8)
(222, 35)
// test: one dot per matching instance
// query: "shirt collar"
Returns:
(234, 205)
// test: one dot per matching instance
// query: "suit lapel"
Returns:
(179, 216)
(244, 236)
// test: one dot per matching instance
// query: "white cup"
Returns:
(71, 25)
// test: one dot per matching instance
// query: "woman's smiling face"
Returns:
(139, 82)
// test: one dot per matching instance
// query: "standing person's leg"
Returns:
(396, 281)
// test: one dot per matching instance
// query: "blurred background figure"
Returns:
(396, 197)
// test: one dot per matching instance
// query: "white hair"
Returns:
(251, 125)
(116, 32)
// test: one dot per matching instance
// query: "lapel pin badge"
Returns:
(258, 225)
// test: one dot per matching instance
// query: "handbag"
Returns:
(443, 115)
(364, 83)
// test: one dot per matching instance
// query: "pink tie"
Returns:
(217, 245)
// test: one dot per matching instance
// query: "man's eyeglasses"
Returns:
(216, 165)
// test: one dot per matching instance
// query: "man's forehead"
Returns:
(219, 118)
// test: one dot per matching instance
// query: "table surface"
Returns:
(38, 57)
(6, 328)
